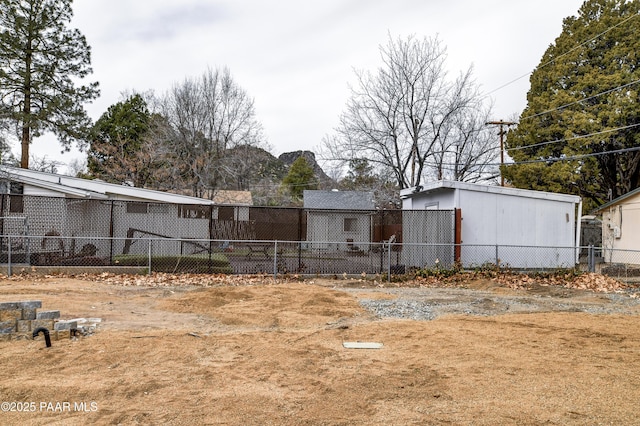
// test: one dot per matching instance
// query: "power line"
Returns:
(581, 100)
(544, 160)
(540, 160)
(564, 54)
(573, 138)
(577, 157)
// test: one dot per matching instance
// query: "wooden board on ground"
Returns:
(362, 345)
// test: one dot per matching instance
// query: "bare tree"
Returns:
(207, 117)
(45, 164)
(77, 167)
(466, 149)
(409, 118)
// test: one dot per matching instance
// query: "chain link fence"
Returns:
(146, 254)
(142, 236)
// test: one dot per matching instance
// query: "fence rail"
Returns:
(146, 253)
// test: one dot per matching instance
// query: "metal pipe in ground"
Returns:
(47, 338)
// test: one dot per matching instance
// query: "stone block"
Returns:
(8, 306)
(7, 327)
(30, 304)
(29, 314)
(48, 315)
(46, 323)
(23, 326)
(10, 315)
(66, 325)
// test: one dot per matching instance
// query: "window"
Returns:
(190, 211)
(134, 207)
(350, 224)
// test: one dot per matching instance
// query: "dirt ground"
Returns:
(272, 354)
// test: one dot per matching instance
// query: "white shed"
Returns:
(338, 219)
(515, 227)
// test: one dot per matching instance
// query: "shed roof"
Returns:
(618, 200)
(224, 196)
(338, 200)
(93, 189)
(455, 185)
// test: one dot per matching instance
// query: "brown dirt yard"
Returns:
(253, 351)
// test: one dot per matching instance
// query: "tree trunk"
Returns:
(24, 158)
(26, 109)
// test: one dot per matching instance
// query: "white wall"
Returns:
(325, 227)
(491, 219)
(161, 219)
(620, 227)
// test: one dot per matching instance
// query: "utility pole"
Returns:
(502, 132)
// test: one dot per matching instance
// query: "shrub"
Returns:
(218, 264)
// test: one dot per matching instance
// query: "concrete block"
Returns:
(30, 304)
(29, 314)
(47, 315)
(46, 323)
(8, 306)
(66, 325)
(10, 315)
(23, 326)
(7, 327)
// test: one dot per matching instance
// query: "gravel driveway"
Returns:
(430, 303)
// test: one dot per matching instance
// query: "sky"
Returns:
(297, 59)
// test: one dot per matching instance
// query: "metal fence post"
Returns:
(149, 270)
(9, 255)
(389, 261)
(275, 259)
(497, 258)
(591, 259)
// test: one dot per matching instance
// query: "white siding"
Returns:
(328, 227)
(620, 226)
(43, 192)
(493, 217)
(506, 220)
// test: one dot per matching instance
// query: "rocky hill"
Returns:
(289, 157)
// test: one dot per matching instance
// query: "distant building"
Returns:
(620, 228)
(339, 220)
(48, 204)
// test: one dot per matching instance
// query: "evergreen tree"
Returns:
(120, 148)
(361, 176)
(299, 178)
(40, 61)
(583, 106)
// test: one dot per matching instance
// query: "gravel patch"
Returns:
(430, 303)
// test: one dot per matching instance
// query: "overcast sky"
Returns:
(296, 59)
